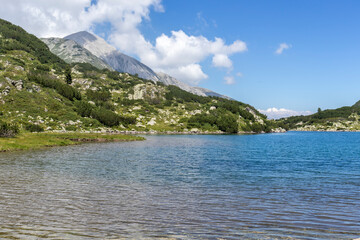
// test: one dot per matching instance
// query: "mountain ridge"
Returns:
(123, 63)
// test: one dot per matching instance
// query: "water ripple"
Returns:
(275, 186)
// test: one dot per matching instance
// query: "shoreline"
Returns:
(322, 130)
(33, 141)
(153, 132)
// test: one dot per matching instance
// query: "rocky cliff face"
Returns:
(71, 52)
(117, 60)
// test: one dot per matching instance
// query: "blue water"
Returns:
(270, 186)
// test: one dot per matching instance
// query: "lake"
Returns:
(295, 185)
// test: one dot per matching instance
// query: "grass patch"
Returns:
(27, 141)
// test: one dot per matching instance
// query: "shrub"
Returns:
(33, 128)
(220, 118)
(113, 75)
(106, 117)
(181, 95)
(83, 67)
(50, 82)
(83, 108)
(8, 130)
(227, 123)
(71, 128)
(126, 120)
(102, 95)
(90, 74)
(42, 68)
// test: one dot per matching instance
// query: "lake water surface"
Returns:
(270, 186)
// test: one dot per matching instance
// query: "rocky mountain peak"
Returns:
(96, 45)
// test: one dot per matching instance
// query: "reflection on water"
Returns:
(276, 186)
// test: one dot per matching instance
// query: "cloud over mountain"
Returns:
(179, 54)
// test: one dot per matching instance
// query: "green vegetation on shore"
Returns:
(28, 141)
(340, 119)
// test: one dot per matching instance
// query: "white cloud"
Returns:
(191, 71)
(222, 60)
(275, 113)
(282, 47)
(46, 18)
(178, 54)
(229, 80)
(178, 51)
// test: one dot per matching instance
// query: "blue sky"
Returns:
(321, 69)
(318, 69)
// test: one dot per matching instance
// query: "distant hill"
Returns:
(340, 119)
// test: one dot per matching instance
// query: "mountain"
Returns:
(41, 92)
(340, 119)
(210, 93)
(169, 80)
(71, 52)
(123, 63)
(117, 60)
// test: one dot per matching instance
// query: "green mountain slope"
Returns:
(340, 119)
(39, 91)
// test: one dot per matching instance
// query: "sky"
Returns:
(282, 57)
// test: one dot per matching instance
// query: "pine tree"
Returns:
(68, 76)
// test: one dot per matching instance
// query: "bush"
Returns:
(103, 115)
(227, 123)
(113, 75)
(50, 82)
(181, 95)
(84, 109)
(33, 128)
(126, 120)
(220, 118)
(96, 96)
(106, 117)
(71, 128)
(42, 68)
(8, 130)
